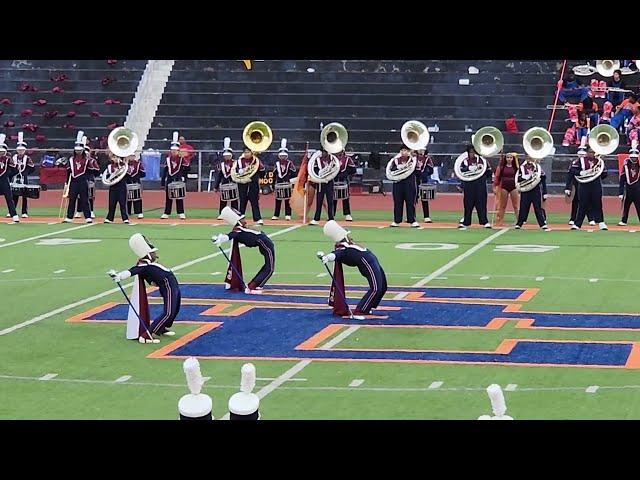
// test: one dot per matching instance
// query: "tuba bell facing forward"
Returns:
(538, 143)
(257, 136)
(123, 142)
(333, 139)
(603, 140)
(486, 141)
(415, 136)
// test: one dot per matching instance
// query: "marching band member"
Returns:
(154, 273)
(224, 176)
(24, 166)
(117, 191)
(7, 170)
(504, 185)
(249, 238)
(347, 168)
(250, 192)
(134, 174)
(172, 172)
(93, 171)
(424, 170)
(347, 252)
(589, 194)
(475, 191)
(629, 191)
(534, 196)
(77, 174)
(284, 171)
(323, 190)
(404, 191)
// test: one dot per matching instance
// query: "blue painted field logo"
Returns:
(293, 321)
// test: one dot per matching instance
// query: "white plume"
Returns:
(191, 369)
(248, 380)
(227, 142)
(497, 400)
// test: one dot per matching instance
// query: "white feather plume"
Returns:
(20, 137)
(283, 143)
(79, 136)
(2, 138)
(497, 400)
(248, 380)
(191, 369)
(175, 137)
(227, 142)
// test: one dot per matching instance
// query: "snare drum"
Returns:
(17, 189)
(177, 190)
(134, 192)
(340, 190)
(32, 191)
(229, 192)
(427, 192)
(92, 190)
(283, 191)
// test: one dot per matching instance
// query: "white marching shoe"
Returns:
(546, 228)
(93, 215)
(571, 222)
(8, 215)
(227, 286)
(140, 215)
(314, 222)
(88, 220)
(622, 224)
(16, 219)
(126, 221)
(274, 218)
(78, 215)
(252, 292)
(68, 220)
(148, 340)
(164, 216)
(260, 222)
(393, 224)
(106, 220)
(24, 215)
(287, 217)
(487, 225)
(462, 227)
(415, 225)
(575, 227)
(592, 222)
(603, 226)
(427, 220)
(182, 216)
(348, 218)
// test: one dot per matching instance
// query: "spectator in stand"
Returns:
(575, 132)
(633, 129)
(616, 98)
(187, 152)
(590, 108)
(571, 88)
(627, 109)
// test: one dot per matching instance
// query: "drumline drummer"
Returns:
(284, 170)
(172, 172)
(24, 167)
(135, 172)
(224, 178)
(7, 170)
(424, 170)
(347, 168)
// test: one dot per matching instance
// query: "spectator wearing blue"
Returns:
(627, 109)
(616, 98)
(572, 90)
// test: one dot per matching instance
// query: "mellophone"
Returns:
(27, 191)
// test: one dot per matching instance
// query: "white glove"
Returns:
(120, 276)
(567, 193)
(319, 254)
(220, 239)
(544, 197)
(583, 173)
(328, 258)
(112, 273)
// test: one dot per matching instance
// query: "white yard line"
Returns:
(50, 234)
(70, 306)
(338, 338)
(122, 379)
(356, 382)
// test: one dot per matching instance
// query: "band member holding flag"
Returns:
(249, 238)
(77, 176)
(349, 253)
(284, 171)
(629, 186)
(7, 170)
(154, 273)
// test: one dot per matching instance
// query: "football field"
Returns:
(551, 317)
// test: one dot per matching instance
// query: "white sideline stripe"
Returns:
(268, 379)
(338, 338)
(592, 389)
(122, 379)
(593, 280)
(435, 385)
(48, 376)
(356, 382)
(60, 271)
(53, 223)
(459, 258)
(485, 277)
(539, 279)
(320, 275)
(46, 235)
(216, 273)
(511, 387)
(114, 290)
(267, 389)
(8, 270)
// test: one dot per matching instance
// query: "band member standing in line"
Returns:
(424, 170)
(77, 175)
(629, 191)
(576, 198)
(224, 176)
(504, 185)
(134, 174)
(7, 170)
(404, 191)
(589, 193)
(172, 172)
(534, 196)
(93, 171)
(347, 168)
(24, 167)
(323, 190)
(475, 191)
(117, 191)
(284, 170)
(250, 192)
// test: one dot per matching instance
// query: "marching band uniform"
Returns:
(250, 192)
(533, 196)
(172, 172)
(404, 191)
(134, 174)
(117, 193)
(93, 171)
(249, 238)
(475, 191)
(629, 191)
(353, 255)
(504, 183)
(323, 190)
(347, 168)
(589, 194)
(149, 269)
(7, 170)
(224, 176)
(24, 166)
(424, 170)
(77, 174)
(284, 170)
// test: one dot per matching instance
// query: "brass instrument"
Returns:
(333, 138)
(607, 67)
(257, 137)
(415, 136)
(486, 141)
